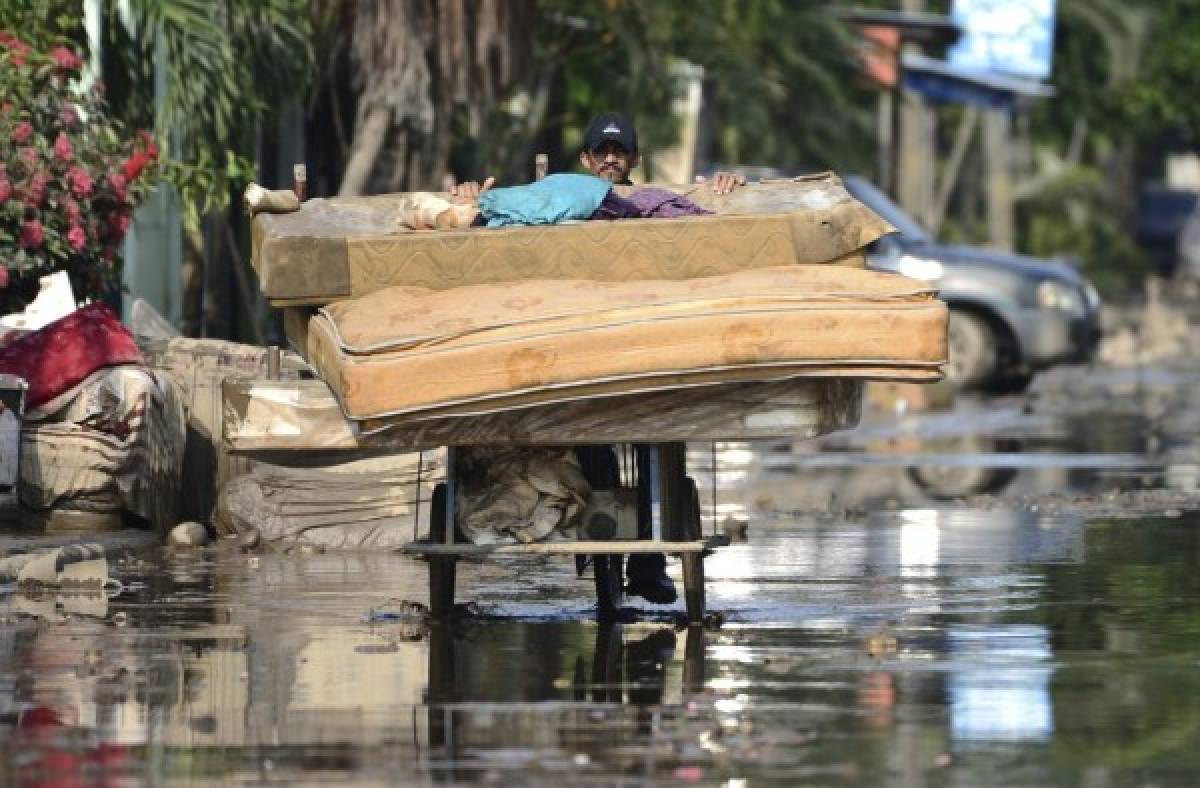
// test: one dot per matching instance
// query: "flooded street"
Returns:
(1020, 607)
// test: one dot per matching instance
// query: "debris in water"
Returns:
(880, 644)
(249, 539)
(735, 529)
(188, 534)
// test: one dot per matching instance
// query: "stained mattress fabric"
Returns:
(484, 348)
(339, 248)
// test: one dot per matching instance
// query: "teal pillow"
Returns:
(554, 199)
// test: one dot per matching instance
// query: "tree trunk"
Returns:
(417, 63)
(368, 141)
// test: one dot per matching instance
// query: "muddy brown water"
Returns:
(891, 639)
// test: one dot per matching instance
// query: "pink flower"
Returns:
(6, 189)
(77, 237)
(148, 143)
(118, 183)
(31, 234)
(133, 167)
(81, 182)
(36, 193)
(71, 209)
(62, 148)
(69, 116)
(30, 156)
(19, 49)
(65, 59)
(22, 132)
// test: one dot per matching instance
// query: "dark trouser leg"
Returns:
(647, 572)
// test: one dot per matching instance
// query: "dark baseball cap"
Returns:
(610, 126)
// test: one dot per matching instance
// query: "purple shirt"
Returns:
(647, 203)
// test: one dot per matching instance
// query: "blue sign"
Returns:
(1013, 37)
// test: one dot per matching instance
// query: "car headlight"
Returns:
(919, 268)
(1056, 295)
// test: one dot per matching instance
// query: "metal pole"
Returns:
(451, 486)
(656, 492)
(417, 496)
(714, 489)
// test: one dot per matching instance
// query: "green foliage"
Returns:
(786, 83)
(206, 74)
(1072, 216)
(1086, 80)
(70, 176)
(780, 78)
(44, 24)
(613, 56)
(1162, 102)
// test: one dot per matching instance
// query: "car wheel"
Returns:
(948, 482)
(972, 350)
(1010, 383)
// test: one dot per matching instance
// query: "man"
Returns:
(610, 151)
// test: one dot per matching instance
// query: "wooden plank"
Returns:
(621, 547)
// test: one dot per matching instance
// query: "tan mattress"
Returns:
(332, 249)
(423, 354)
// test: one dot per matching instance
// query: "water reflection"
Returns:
(916, 647)
(1002, 690)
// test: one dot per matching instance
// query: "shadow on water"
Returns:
(916, 646)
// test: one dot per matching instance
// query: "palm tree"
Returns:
(417, 64)
(207, 75)
(204, 74)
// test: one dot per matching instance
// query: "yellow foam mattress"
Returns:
(332, 249)
(484, 348)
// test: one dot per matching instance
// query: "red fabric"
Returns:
(65, 352)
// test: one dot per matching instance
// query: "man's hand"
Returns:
(469, 191)
(725, 182)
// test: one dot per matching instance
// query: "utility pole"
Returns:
(915, 160)
(998, 166)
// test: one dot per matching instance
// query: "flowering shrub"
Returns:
(70, 177)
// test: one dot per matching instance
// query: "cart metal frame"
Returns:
(675, 527)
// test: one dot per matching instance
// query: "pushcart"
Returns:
(802, 408)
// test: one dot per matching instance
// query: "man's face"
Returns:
(609, 161)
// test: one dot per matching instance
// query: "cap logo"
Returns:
(611, 129)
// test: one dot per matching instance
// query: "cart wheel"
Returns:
(441, 567)
(609, 573)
